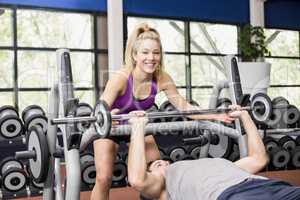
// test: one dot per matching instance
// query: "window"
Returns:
(38, 34)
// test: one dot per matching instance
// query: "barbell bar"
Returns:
(261, 109)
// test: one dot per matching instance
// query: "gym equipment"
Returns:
(270, 143)
(168, 107)
(88, 170)
(296, 157)
(263, 102)
(196, 152)
(260, 104)
(280, 101)
(34, 115)
(279, 157)
(177, 153)
(14, 178)
(287, 142)
(291, 115)
(37, 153)
(83, 110)
(120, 171)
(11, 125)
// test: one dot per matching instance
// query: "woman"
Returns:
(134, 88)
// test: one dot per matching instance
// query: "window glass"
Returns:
(54, 29)
(171, 32)
(6, 30)
(33, 98)
(202, 96)
(207, 70)
(34, 68)
(292, 94)
(286, 43)
(284, 71)
(6, 98)
(6, 69)
(161, 97)
(213, 38)
(82, 69)
(175, 67)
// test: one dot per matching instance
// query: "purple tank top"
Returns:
(127, 103)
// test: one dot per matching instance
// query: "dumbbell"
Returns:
(270, 143)
(37, 154)
(279, 157)
(287, 142)
(88, 170)
(119, 174)
(195, 152)
(14, 178)
(83, 110)
(295, 160)
(11, 125)
(177, 153)
(291, 116)
(280, 101)
(34, 115)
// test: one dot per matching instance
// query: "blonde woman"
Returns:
(134, 87)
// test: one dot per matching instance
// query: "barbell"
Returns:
(260, 107)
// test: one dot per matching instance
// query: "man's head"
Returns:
(158, 167)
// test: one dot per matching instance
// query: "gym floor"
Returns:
(127, 193)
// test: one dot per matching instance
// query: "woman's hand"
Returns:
(224, 117)
(237, 111)
(114, 112)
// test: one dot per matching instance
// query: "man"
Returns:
(207, 178)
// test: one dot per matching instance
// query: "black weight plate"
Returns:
(261, 108)
(14, 179)
(11, 126)
(32, 109)
(223, 149)
(120, 171)
(9, 162)
(36, 141)
(88, 173)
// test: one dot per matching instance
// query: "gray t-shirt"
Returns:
(203, 179)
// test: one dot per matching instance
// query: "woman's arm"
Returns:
(167, 85)
(114, 87)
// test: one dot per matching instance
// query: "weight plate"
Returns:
(32, 110)
(221, 150)
(9, 162)
(37, 119)
(280, 157)
(86, 157)
(275, 118)
(8, 110)
(296, 157)
(223, 103)
(84, 108)
(291, 115)
(287, 143)
(196, 152)
(120, 171)
(103, 123)
(177, 154)
(36, 141)
(88, 173)
(11, 126)
(37, 185)
(270, 143)
(261, 108)
(280, 101)
(14, 179)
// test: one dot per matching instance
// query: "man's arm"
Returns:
(138, 177)
(257, 156)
